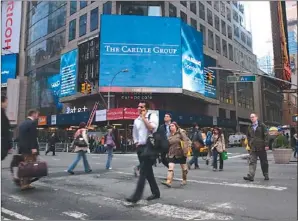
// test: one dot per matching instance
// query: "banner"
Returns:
(115, 114)
(68, 71)
(11, 26)
(42, 120)
(13, 97)
(130, 113)
(8, 68)
(101, 115)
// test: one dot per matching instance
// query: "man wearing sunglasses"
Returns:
(145, 125)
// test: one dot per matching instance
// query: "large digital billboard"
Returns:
(149, 47)
(54, 85)
(8, 68)
(68, 72)
(192, 59)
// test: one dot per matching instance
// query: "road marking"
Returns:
(22, 200)
(238, 156)
(3, 218)
(182, 213)
(56, 159)
(76, 214)
(242, 185)
(14, 214)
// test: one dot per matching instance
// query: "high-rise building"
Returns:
(53, 28)
(265, 64)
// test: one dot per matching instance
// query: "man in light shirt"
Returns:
(144, 125)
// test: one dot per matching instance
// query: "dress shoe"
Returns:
(153, 197)
(266, 177)
(131, 200)
(248, 178)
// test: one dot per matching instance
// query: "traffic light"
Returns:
(209, 77)
(89, 89)
(83, 88)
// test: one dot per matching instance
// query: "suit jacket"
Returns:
(258, 139)
(28, 136)
(6, 142)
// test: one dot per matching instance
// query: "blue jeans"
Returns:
(215, 154)
(80, 154)
(296, 150)
(194, 160)
(110, 156)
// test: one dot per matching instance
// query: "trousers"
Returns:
(253, 162)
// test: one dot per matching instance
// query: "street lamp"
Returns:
(110, 85)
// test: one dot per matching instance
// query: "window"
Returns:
(236, 55)
(194, 23)
(94, 19)
(72, 30)
(216, 22)
(216, 5)
(210, 40)
(222, 113)
(243, 37)
(73, 7)
(230, 34)
(154, 11)
(224, 48)
(83, 4)
(83, 25)
(229, 15)
(226, 91)
(233, 115)
(203, 31)
(235, 16)
(222, 9)
(241, 21)
(217, 44)
(249, 42)
(236, 31)
(193, 6)
(223, 28)
(202, 10)
(107, 8)
(184, 3)
(183, 16)
(231, 56)
(172, 10)
(209, 17)
(209, 2)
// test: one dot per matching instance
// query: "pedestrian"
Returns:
(208, 145)
(110, 145)
(81, 146)
(258, 143)
(6, 141)
(218, 147)
(165, 129)
(28, 144)
(295, 143)
(178, 148)
(197, 143)
(144, 127)
(52, 144)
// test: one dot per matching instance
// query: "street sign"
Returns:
(289, 91)
(235, 79)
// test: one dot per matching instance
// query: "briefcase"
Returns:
(33, 169)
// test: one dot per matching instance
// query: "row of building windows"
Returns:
(94, 21)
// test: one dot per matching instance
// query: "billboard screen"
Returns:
(53, 84)
(8, 68)
(149, 47)
(68, 72)
(192, 59)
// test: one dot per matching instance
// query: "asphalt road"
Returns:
(100, 195)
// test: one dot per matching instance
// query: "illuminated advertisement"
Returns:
(8, 68)
(149, 48)
(210, 83)
(68, 71)
(192, 59)
(53, 84)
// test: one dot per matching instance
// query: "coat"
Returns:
(218, 143)
(28, 137)
(258, 139)
(6, 142)
(178, 144)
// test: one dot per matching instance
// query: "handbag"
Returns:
(33, 169)
(79, 141)
(224, 155)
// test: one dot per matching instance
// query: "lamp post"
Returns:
(110, 85)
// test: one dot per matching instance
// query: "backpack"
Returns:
(208, 138)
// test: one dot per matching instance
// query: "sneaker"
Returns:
(110, 168)
(266, 177)
(248, 178)
(214, 169)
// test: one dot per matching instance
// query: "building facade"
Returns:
(53, 28)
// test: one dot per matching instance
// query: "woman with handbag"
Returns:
(110, 145)
(178, 149)
(218, 147)
(81, 146)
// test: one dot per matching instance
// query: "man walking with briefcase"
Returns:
(28, 144)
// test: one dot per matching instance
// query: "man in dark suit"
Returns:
(6, 142)
(258, 143)
(28, 144)
(164, 129)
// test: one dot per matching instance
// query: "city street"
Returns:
(100, 195)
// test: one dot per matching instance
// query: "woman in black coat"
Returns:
(6, 142)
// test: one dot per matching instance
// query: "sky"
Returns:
(258, 21)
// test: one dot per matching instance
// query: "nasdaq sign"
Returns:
(8, 68)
